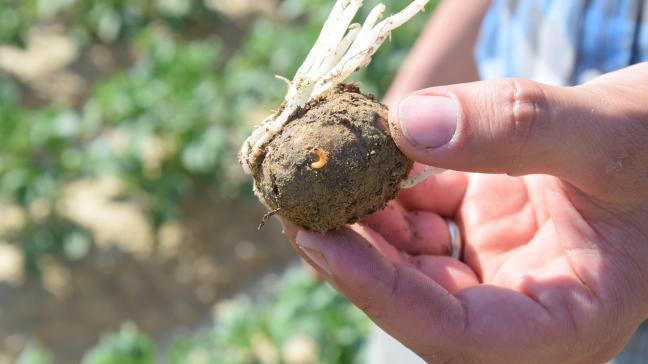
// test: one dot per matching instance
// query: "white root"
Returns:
(420, 177)
(284, 79)
(340, 50)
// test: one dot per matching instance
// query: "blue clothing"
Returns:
(562, 42)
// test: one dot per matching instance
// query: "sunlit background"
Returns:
(128, 232)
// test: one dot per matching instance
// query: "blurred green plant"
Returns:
(169, 125)
(40, 152)
(34, 354)
(90, 21)
(171, 120)
(304, 321)
(127, 346)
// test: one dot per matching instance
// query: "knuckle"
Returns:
(526, 101)
(525, 108)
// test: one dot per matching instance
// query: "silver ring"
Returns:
(455, 239)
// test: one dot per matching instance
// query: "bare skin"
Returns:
(555, 235)
(554, 264)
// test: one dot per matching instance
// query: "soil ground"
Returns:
(164, 293)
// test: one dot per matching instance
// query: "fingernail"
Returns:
(316, 256)
(428, 121)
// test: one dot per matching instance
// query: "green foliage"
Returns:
(302, 309)
(302, 313)
(169, 124)
(40, 152)
(128, 346)
(54, 235)
(36, 153)
(168, 111)
(100, 21)
(34, 354)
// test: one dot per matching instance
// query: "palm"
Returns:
(537, 280)
(507, 228)
(516, 271)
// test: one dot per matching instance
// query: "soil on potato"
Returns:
(333, 163)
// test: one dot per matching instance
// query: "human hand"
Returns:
(555, 263)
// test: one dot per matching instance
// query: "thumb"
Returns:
(400, 299)
(508, 126)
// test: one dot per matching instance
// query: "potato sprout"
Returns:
(341, 49)
(325, 158)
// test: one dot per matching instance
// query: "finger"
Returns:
(374, 238)
(378, 242)
(448, 272)
(413, 232)
(514, 126)
(399, 298)
(391, 223)
(429, 234)
(442, 193)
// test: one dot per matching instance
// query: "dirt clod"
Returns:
(333, 164)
